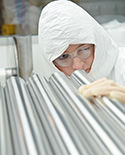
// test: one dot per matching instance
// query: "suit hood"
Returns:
(63, 23)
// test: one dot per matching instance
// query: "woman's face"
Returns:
(76, 57)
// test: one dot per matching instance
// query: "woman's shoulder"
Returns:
(122, 49)
(121, 57)
(120, 66)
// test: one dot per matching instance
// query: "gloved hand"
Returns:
(103, 87)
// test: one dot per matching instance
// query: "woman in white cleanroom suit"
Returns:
(70, 39)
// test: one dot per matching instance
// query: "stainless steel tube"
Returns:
(60, 127)
(5, 131)
(24, 54)
(112, 109)
(22, 121)
(52, 140)
(80, 129)
(99, 127)
(50, 117)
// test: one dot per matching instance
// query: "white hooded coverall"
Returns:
(63, 23)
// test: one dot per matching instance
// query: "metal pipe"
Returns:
(24, 54)
(41, 119)
(70, 125)
(102, 131)
(61, 128)
(45, 117)
(50, 117)
(5, 131)
(85, 138)
(113, 110)
(110, 115)
(21, 118)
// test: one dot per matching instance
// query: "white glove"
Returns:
(103, 87)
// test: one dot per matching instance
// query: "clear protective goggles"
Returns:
(66, 59)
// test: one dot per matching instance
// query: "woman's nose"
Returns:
(77, 63)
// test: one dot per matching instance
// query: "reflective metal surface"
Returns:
(41, 117)
(24, 55)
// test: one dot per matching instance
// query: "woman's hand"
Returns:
(103, 87)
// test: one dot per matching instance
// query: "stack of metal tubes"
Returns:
(49, 117)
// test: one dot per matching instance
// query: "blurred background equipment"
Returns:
(22, 15)
(8, 59)
(1, 16)
(110, 14)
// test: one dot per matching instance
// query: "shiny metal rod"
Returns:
(24, 55)
(103, 106)
(6, 146)
(99, 127)
(63, 132)
(80, 129)
(22, 131)
(53, 143)
(82, 78)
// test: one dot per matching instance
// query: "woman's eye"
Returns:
(79, 51)
(83, 49)
(64, 56)
(86, 48)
